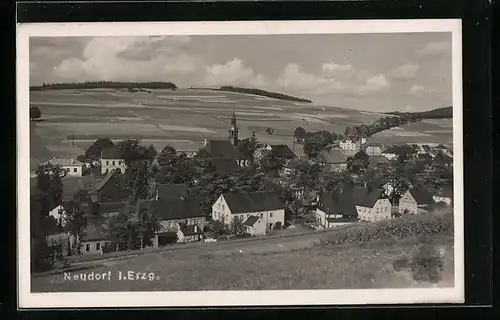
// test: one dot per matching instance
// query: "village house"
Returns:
(281, 151)
(110, 189)
(349, 145)
(378, 161)
(258, 211)
(71, 166)
(94, 238)
(415, 201)
(112, 159)
(174, 213)
(349, 203)
(334, 159)
(444, 194)
(189, 233)
(171, 192)
(373, 149)
(224, 156)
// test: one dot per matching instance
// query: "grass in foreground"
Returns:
(379, 263)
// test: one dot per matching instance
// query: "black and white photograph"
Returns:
(231, 163)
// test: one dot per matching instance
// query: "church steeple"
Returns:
(233, 132)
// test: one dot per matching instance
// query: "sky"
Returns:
(373, 72)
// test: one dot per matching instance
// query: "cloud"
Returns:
(405, 71)
(129, 59)
(234, 73)
(435, 48)
(374, 85)
(417, 90)
(331, 69)
(293, 78)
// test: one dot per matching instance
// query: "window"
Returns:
(98, 246)
(262, 215)
(120, 162)
(270, 214)
(75, 170)
(113, 162)
(378, 210)
(186, 221)
(107, 162)
(87, 247)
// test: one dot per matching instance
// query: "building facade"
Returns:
(111, 159)
(349, 145)
(415, 201)
(71, 167)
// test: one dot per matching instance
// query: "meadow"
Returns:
(417, 252)
(184, 118)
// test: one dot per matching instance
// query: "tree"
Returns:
(358, 163)
(270, 163)
(299, 133)
(137, 179)
(151, 153)
(148, 224)
(50, 185)
(130, 150)
(94, 151)
(35, 113)
(75, 218)
(167, 157)
(237, 226)
(269, 130)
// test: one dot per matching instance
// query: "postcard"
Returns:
(263, 163)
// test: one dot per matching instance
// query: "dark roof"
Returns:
(343, 200)
(253, 202)
(189, 230)
(174, 209)
(224, 165)
(251, 221)
(171, 191)
(282, 150)
(222, 149)
(343, 219)
(421, 196)
(51, 226)
(373, 144)
(111, 207)
(426, 148)
(376, 160)
(111, 153)
(333, 156)
(106, 179)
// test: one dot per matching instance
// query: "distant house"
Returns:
(94, 238)
(282, 151)
(444, 194)
(174, 213)
(390, 156)
(349, 145)
(373, 205)
(258, 211)
(71, 166)
(379, 161)
(188, 153)
(373, 149)
(112, 159)
(105, 209)
(334, 158)
(58, 214)
(189, 233)
(415, 201)
(110, 189)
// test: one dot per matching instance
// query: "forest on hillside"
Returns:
(439, 113)
(264, 93)
(106, 85)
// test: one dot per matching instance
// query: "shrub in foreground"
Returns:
(397, 229)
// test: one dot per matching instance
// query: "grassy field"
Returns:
(422, 256)
(184, 118)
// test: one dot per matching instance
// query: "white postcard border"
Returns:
(26, 299)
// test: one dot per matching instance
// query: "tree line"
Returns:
(106, 85)
(264, 93)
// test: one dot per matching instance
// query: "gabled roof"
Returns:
(171, 191)
(421, 196)
(343, 200)
(222, 149)
(333, 156)
(174, 209)
(282, 150)
(251, 221)
(106, 179)
(111, 153)
(373, 144)
(379, 159)
(65, 162)
(253, 202)
(224, 165)
(189, 230)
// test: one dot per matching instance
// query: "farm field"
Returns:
(184, 118)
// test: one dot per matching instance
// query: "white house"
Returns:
(189, 233)
(415, 201)
(349, 145)
(111, 159)
(259, 211)
(71, 166)
(334, 159)
(444, 194)
(373, 149)
(390, 156)
(58, 214)
(374, 207)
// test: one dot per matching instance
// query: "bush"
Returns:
(397, 229)
(427, 265)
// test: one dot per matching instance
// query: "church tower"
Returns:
(233, 132)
